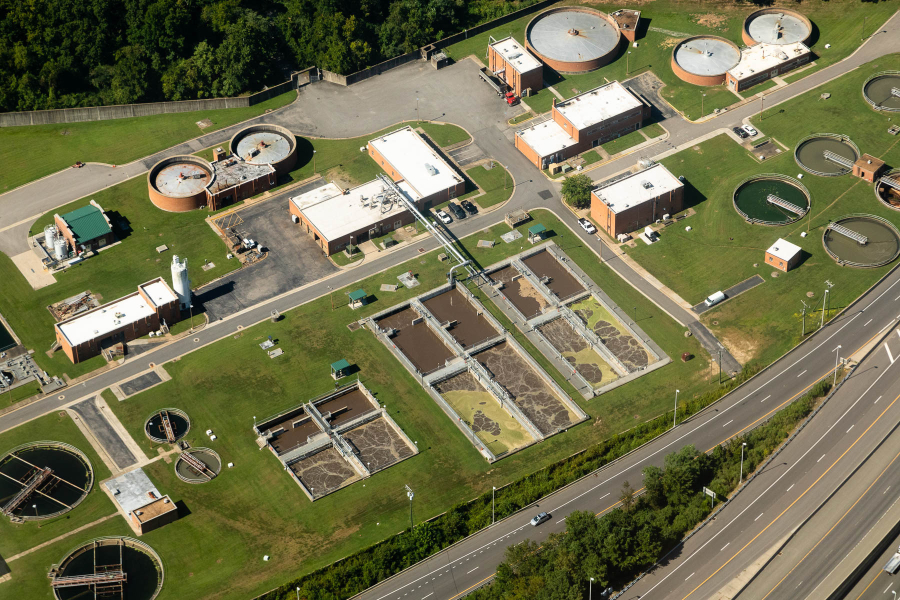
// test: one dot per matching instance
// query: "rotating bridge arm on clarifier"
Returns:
(895, 92)
(167, 426)
(788, 206)
(857, 237)
(891, 182)
(837, 158)
(197, 465)
(96, 579)
(32, 485)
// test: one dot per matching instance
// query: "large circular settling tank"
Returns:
(862, 241)
(167, 425)
(887, 189)
(41, 480)
(771, 199)
(826, 154)
(882, 91)
(573, 39)
(266, 145)
(704, 60)
(113, 567)
(778, 26)
(198, 465)
(178, 183)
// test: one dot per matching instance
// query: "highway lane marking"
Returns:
(472, 571)
(688, 433)
(888, 588)
(877, 399)
(725, 546)
(877, 575)
(851, 427)
(757, 518)
(801, 373)
(789, 489)
(852, 506)
(689, 576)
(888, 350)
(806, 491)
(820, 458)
(728, 423)
(766, 398)
(867, 322)
(783, 475)
(431, 594)
(885, 490)
(561, 520)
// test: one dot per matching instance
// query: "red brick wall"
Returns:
(636, 217)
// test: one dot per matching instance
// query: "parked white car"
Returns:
(750, 130)
(444, 217)
(587, 225)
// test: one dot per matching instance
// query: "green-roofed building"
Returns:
(340, 368)
(85, 228)
(358, 298)
(536, 233)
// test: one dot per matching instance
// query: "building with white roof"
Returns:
(783, 255)
(634, 200)
(87, 334)
(514, 65)
(763, 61)
(336, 218)
(582, 122)
(405, 156)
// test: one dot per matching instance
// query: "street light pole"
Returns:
(702, 112)
(314, 162)
(493, 491)
(591, 584)
(627, 57)
(298, 593)
(837, 357)
(675, 416)
(743, 445)
(824, 303)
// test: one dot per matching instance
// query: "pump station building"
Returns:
(582, 122)
(634, 200)
(515, 66)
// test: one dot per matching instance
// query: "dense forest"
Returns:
(66, 53)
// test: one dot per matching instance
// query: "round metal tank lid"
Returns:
(263, 147)
(778, 28)
(573, 36)
(706, 56)
(180, 180)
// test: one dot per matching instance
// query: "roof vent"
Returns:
(647, 185)
(431, 169)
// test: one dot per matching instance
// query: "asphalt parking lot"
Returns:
(293, 260)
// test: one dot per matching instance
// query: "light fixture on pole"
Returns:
(741, 478)
(314, 161)
(627, 57)
(702, 96)
(493, 491)
(591, 584)
(824, 304)
(298, 593)
(675, 416)
(837, 358)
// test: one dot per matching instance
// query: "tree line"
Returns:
(70, 53)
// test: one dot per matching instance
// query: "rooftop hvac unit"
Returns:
(515, 56)
(647, 185)
(431, 169)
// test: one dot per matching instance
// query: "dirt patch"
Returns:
(324, 472)
(622, 345)
(524, 296)
(529, 392)
(743, 347)
(711, 20)
(378, 444)
(577, 352)
(669, 42)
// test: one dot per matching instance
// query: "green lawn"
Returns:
(114, 272)
(29, 153)
(653, 130)
(839, 23)
(496, 183)
(590, 157)
(520, 118)
(57, 427)
(623, 143)
(765, 322)
(341, 259)
(541, 101)
(256, 509)
(759, 87)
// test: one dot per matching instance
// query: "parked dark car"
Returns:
(470, 208)
(740, 132)
(457, 211)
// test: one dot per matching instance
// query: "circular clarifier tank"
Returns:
(198, 465)
(778, 26)
(771, 199)
(704, 60)
(266, 145)
(887, 189)
(53, 476)
(179, 183)
(881, 91)
(826, 154)
(573, 39)
(131, 570)
(862, 241)
(178, 425)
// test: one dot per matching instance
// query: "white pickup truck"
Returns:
(893, 564)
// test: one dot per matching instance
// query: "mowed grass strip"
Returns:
(496, 183)
(32, 152)
(57, 427)
(256, 509)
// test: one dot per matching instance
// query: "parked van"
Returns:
(715, 299)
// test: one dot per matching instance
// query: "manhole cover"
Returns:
(196, 339)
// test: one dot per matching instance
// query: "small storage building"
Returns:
(85, 228)
(783, 255)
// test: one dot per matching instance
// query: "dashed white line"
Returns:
(851, 427)
(885, 490)
(867, 322)
(561, 520)
(820, 458)
(801, 373)
(475, 569)
(888, 588)
(757, 518)
(725, 546)
(877, 399)
(766, 398)
(431, 594)
(689, 576)
(888, 350)
(789, 489)
(728, 423)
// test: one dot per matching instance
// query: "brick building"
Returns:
(783, 255)
(582, 122)
(87, 334)
(635, 200)
(514, 65)
(868, 168)
(85, 228)
(764, 61)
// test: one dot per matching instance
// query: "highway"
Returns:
(455, 571)
(876, 584)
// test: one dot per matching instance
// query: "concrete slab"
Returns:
(31, 268)
(102, 432)
(139, 384)
(731, 292)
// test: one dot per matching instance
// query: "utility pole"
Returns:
(804, 318)
(493, 492)
(837, 357)
(314, 162)
(824, 304)
(864, 28)
(627, 57)
(675, 416)
(743, 445)
(761, 105)
(720, 364)
(410, 495)
(702, 112)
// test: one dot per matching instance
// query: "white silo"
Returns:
(49, 237)
(60, 249)
(180, 282)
